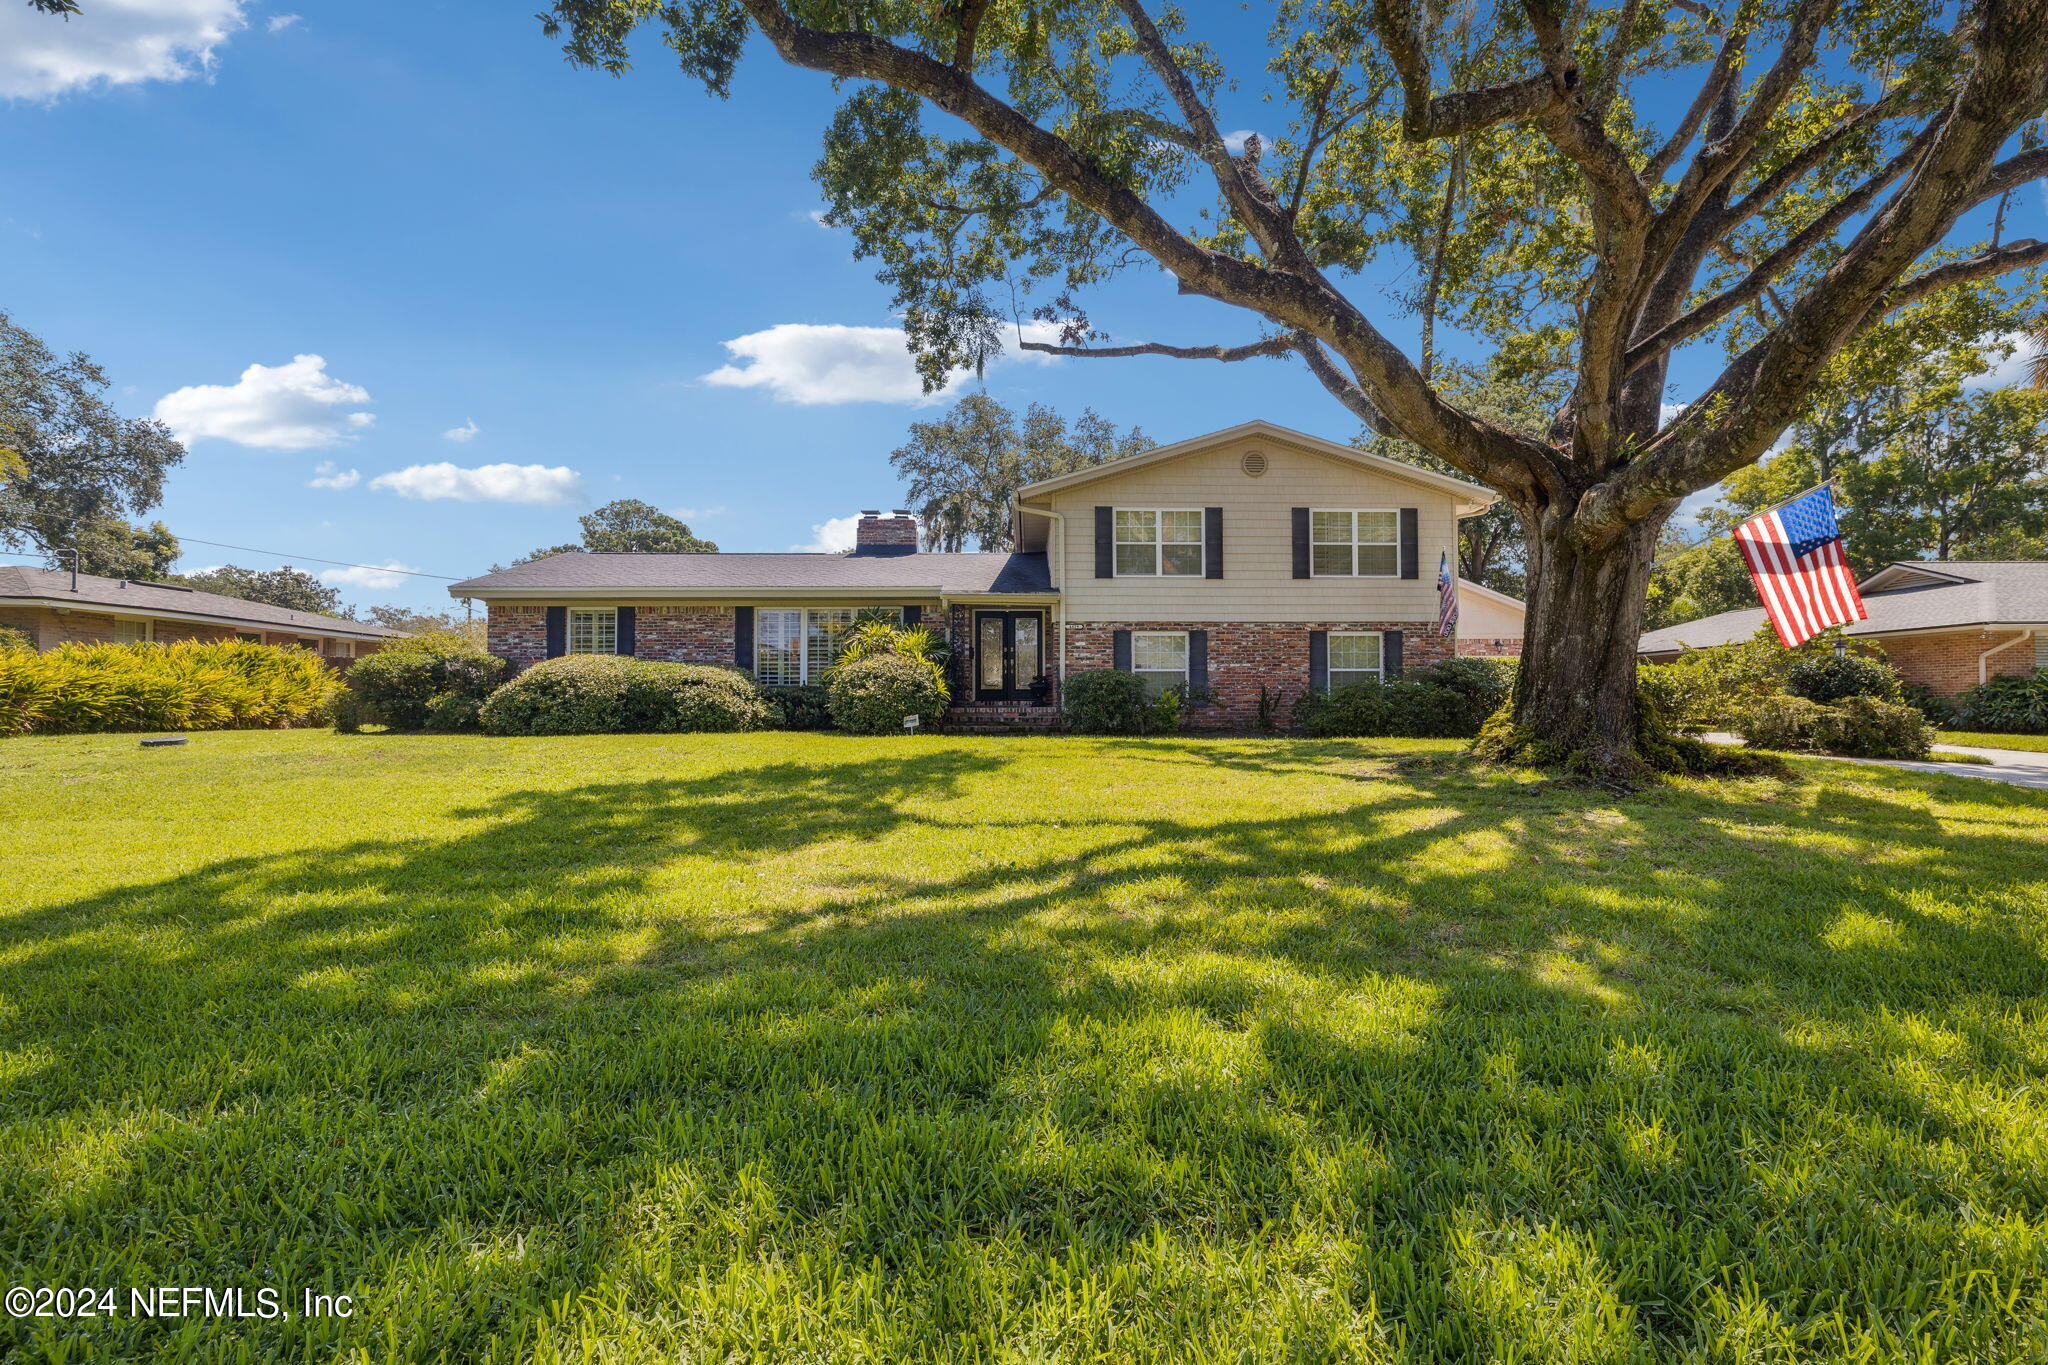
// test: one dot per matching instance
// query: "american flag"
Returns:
(1795, 555)
(1446, 595)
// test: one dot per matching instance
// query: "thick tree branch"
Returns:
(1424, 117)
(1718, 80)
(2018, 255)
(2013, 172)
(1280, 345)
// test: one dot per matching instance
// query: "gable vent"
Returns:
(1253, 463)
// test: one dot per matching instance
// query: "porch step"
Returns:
(996, 718)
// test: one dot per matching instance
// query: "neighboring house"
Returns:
(1945, 624)
(1256, 559)
(45, 603)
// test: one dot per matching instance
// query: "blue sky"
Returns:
(417, 220)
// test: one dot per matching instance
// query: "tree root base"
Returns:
(1656, 754)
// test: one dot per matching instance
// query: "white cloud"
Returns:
(363, 576)
(812, 364)
(331, 475)
(696, 513)
(528, 483)
(1234, 142)
(463, 434)
(1667, 413)
(271, 407)
(2010, 356)
(280, 22)
(831, 537)
(113, 42)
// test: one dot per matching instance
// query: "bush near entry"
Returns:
(586, 694)
(436, 681)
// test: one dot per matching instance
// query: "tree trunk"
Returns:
(1575, 701)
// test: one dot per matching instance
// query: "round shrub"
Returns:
(401, 683)
(871, 696)
(1827, 678)
(1780, 720)
(596, 694)
(797, 706)
(450, 713)
(2012, 704)
(1868, 727)
(1104, 701)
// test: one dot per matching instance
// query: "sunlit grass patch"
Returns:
(805, 1047)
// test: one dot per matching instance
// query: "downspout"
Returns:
(1984, 659)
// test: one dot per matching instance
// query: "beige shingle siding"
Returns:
(1258, 582)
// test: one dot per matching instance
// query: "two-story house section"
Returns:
(1247, 565)
(1257, 558)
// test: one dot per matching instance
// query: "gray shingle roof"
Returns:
(53, 586)
(1986, 593)
(738, 573)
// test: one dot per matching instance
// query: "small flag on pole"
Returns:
(1794, 553)
(1446, 596)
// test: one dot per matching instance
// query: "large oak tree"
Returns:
(1807, 181)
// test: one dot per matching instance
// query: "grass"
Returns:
(802, 1047)
(2033, 744)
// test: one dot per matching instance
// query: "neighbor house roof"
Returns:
(124, 597)
(1902, 598)
(727, 575)
(1471, 497)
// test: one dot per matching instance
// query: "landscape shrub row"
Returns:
(589, 694)
(186, 685)
(1827, 696)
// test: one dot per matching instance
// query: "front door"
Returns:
(1009, 653)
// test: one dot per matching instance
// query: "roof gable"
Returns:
(1470, 497)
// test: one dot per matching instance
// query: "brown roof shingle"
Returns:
(52, 587)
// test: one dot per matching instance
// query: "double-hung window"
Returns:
(129, 630)
(1160, 657)
(593, 630)
(797, 644)
(1355, 659)
(1361, 544)
(1158, 543)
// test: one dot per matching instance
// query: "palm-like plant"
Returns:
(870, 638)
(2037, 337)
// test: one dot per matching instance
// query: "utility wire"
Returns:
(281, 554)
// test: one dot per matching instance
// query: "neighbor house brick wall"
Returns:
(1946, 662)
(34, 620)
(676, 634)
(1245, 656)
(1503, 648)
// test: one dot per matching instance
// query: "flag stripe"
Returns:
(1802, 594)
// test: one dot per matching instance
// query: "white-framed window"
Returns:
(1160, 657)
(1158, 542)
(797, 644)
(1355, 658)
(250, 637)
(2041, 649)
(1363, 543)
(593, 630)
(344, 649)
(130, 630)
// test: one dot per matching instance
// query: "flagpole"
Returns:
(1828, 482)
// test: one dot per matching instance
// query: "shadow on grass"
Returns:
(850, 1059)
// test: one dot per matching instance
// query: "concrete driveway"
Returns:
(2016, 766)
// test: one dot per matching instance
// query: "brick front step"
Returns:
(999, 719)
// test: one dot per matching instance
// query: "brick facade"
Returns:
(49, 628)
(897, 532)
(676, 634)
(1503, 648)
(1946, 662)
(1246, 656)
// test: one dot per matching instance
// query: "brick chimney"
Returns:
(885, 535)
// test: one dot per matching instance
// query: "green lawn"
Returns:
(797, 1047)
(2036, 744)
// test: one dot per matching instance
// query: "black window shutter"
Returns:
(743, 637)
(1120, 651)
(1411, 566)
(913, 615)
(1105, 542)
(1319, 660)
(1198, 661)
(558, 632)
(628, 619)
(1212, 542)
(1390, 653)
(1301, 542)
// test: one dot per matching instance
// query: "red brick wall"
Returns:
(1490, 649)
(1946, 663)
(876, 529)
(691, 635)
(1247, 655)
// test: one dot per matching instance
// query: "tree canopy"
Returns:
(629, 526)
(285, 586)
(114, 548)
(963, 468)
(69, 464)
(1588, 186)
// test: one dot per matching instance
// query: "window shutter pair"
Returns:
(1411, 566)
(623, 633)
(1198, 655)
(1319, 657)
(1212, 542)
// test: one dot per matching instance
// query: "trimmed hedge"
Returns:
(594, 694)
(871, 696)
(1105, 701)
(1855, 727)
(436, 681)
(798, 706)
(185, 685)
(1830, 677)
(2012, 703)
(1450, 700)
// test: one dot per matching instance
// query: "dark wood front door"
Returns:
(1009, 654)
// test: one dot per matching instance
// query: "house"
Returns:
(1945, 624)
(1252, 562)
(55, 607)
